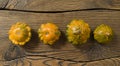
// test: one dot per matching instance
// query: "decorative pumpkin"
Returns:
(20, 33)
(49, 33)
(78, 32)
(103, 33)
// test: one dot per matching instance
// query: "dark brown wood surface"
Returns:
(61, 5)
(36, 12)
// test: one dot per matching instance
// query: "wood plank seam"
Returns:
(60, 11)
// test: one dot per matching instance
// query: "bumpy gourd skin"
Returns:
(20, 33)
(103, 33)
(78, 32)
(49, 33)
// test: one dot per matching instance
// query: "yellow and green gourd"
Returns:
(78, 32)
(20, 33)
(49, 33)
(103, 33)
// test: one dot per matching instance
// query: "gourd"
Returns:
(49, 33)
(78, 32)
(20, 33)
(103, 33)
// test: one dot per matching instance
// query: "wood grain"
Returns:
(61, 5)
(35, 53)
(43, 61)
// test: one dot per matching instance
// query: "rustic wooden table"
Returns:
(61, 12)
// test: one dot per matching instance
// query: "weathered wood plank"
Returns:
(61, 5)
(3, 3)
(106, 62)
(62, 50)
(43, 61)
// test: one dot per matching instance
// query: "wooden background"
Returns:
(60, 12)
